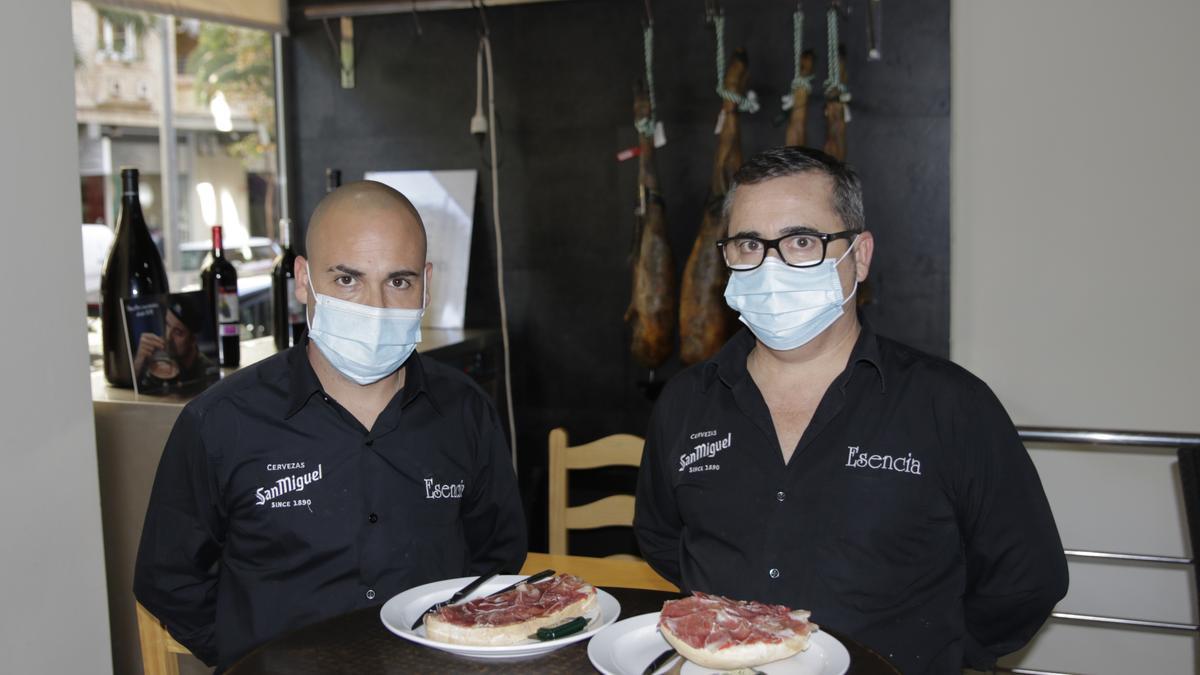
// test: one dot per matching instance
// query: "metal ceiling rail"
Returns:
(379, 7)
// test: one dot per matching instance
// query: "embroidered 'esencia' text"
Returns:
(863, 460)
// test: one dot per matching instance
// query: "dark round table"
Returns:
(359, 643)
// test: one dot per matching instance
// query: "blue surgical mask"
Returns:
(365, 343)
(786, 307)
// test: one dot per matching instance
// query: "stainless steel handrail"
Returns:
(1030, 671)
(1124, 621)
(1147, 439)
(1143, 439)
(1151, 439)
(1132, 557)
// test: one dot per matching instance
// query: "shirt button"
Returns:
(372, 518)
(370, 442)
(779, 495)
(774, 573)
(370, 593)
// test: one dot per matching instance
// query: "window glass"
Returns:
(223, 101)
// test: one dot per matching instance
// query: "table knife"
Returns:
(660, 661)
(462, 593)
(527, 580)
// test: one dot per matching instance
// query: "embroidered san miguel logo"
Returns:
(704, 450)
(286, 485)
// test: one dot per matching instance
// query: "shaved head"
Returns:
(365, 244)
(354, 202)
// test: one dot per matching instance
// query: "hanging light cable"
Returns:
(484, 66)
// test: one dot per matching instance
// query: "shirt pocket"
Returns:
(888, 535)
(438, 499)
(282, 516)
(714, 504)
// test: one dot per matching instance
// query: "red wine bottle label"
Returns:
(227, 312)
(295, 309)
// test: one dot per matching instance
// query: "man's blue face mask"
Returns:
(364, 343)
(786, 307)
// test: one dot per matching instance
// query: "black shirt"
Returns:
(273, 507)
(910, 516)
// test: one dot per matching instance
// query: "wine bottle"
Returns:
(333, 180)
(133, 275)
(289, 323)
(219, 280)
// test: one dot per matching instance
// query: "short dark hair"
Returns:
(791, 160)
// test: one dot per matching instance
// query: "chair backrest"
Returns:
(616, 450)
(160, 651)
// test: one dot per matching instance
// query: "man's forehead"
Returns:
(806, 184)
(803, 199)
(367, 230)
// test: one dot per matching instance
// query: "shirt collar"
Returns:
(729, 365)
(416, 382)
(305, 384)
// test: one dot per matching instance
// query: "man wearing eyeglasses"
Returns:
(816, 464)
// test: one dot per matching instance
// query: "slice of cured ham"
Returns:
(510, 618)
(717, 632)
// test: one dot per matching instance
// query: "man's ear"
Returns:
(428, 282)
(864, 249)
(300, 270)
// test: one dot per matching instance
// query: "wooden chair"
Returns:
(160, 651)
(616, 450)
(621, 570)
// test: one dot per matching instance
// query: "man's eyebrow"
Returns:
(785, 232)
(746, 233)
(798, 229)
(346, 269)
(358, 274)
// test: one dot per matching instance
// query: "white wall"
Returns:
(1074, 240)
(53, 616)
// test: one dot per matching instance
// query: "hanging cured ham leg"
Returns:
(652, 307)
(798, 116)
(835, 114)
(705, 321)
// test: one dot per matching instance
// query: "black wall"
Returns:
(564, 73)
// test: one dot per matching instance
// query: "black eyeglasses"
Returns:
(743, 252)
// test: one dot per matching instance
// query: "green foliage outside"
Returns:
(240, 63)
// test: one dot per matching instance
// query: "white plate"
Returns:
(628, 646)
(399, 613)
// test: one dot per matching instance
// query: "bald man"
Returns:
(338, 473)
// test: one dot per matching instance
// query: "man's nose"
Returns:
(375, 296)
